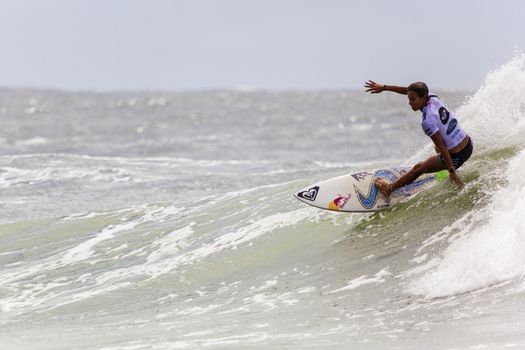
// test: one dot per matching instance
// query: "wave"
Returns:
(495, 114)
(488, 249)
(221, 247)
(486, 243)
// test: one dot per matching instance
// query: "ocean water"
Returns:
(157, 220)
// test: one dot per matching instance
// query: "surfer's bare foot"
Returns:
(384, 187)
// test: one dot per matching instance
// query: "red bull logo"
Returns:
(339, 202)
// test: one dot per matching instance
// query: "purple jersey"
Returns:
(436, 117)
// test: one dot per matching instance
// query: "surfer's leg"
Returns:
(431, 165)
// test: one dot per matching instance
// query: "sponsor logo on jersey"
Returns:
(452, 126)
(443, 115)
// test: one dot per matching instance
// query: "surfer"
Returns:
(453, 146)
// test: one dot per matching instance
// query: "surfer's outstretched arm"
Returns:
(375, 88)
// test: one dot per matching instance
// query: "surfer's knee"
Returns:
(418, 169)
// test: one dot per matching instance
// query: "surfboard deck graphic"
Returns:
(356, 192)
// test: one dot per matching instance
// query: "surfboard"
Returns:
(356, 192)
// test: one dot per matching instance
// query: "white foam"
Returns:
(266, 285)
(495, 114)
(52, 295)
(486, 255)
(156, 267)
(379, 277)
(35, 141)
(85, 250)
(170, 244)
(306, 290)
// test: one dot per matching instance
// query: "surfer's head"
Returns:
(417, 95)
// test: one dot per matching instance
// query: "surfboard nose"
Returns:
(308, 194)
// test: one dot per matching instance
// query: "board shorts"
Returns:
(461, 157)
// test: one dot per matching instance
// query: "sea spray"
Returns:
(486, 255)
(495, 115)
(489, 246)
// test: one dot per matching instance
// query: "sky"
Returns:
(266, 44)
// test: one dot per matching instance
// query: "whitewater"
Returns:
(165, 220)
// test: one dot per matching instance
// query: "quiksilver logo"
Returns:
(369, 200)
(452, 126)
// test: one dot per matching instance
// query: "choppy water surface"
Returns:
(165, 220)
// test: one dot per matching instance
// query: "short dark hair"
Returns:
(420, 88)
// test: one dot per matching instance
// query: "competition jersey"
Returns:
(436, 117)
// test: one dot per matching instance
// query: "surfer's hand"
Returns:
(454, 177)
(373, 87)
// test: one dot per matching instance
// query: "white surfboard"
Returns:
(357, 193)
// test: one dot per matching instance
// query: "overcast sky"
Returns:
(270, 44)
